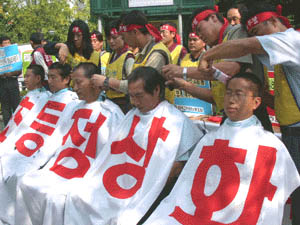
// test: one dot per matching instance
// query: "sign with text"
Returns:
(10, 59)
(145, 3)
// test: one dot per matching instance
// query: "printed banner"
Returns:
(26, 112)
(122, 185)
(188, 104)
(145, 3)
(91, 126)
(10, 59)
(240, 174)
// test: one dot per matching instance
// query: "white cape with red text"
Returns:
(239, 174)
(123, 184)
(42, 193)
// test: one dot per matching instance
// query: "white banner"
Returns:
(34, 145)
(92, 124)
(145, 3)
(122, 186)
(29, 107)
(240, 174)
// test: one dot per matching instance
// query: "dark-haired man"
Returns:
(119, 67)
(31, 103)
(272, 29)
(137, 32)
(126, 182)
(212, 28)
(238, 174)
(39, 55)
(89, 127)
(171, 39)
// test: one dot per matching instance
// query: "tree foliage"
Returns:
(52, 17)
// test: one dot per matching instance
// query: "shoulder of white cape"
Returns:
(266, 136)
(172, 113)
(111, 107)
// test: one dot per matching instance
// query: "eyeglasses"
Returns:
(237, 96)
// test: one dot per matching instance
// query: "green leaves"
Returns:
(18, 19)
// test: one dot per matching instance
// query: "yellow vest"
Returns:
(187, 62)
(169, 95)
(175, 54)
(218, 88)
(104, 60)
(76, 59)
(286, 109)
(115, 70)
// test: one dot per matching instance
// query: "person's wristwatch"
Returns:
(106, 82)
(184, 73)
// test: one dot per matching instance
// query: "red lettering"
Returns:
(36, 138)
(3, 134)
(111, 184)
(50, 118)
(93, 128)
(42, 128)
(25, 103)
(129, 146)
(83, 164)
(225, 157)
(76, 137)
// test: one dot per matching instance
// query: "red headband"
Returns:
(152, 30)
(76, 30)
(172, 29)
(261, 17)
(114, 31)
(168, 27)
(193, 35)
(203, 15)
(94, 36)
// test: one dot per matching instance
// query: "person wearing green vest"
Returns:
(277, 44)
(119, 66)
(172, 40)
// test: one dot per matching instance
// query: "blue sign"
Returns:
(186, 103)
(10, 59)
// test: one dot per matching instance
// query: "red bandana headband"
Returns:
(203, 15)
(168, 27)
(94, 36)
(152, 30)
(114, 31)
(172, 29)
(261, 17)
(76, 30)
(193, 35)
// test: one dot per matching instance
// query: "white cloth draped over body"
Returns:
(239, 174)
(42, 193)
(32, 146)
(30, 105)
(122, 185)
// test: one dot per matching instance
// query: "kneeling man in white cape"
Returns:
(239, 174)
(36, 139)
(152, 139)
(29, 107)
(42, 193)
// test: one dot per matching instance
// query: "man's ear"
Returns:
(257, 102)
